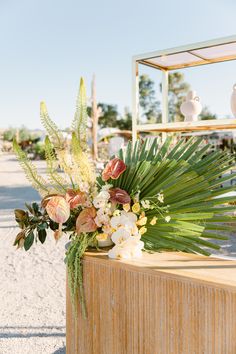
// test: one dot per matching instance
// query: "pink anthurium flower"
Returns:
(58, 209)
(75, 198)
(119, 196)
(113, 169)
(85, 221)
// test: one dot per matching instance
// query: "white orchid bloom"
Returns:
(119, 236)
(125, 220)
(136, 253)
(126, 246)
(134, 241)
(131, 216)
(118, 252)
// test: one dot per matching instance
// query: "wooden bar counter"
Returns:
(163, 303)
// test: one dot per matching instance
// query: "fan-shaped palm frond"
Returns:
(191, 180)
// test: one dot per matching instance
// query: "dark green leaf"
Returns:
(53, 225)
(29, 241)
(42, 235)
(42, 226)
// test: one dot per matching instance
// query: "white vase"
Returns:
(105, 243)
(192, 107)
(233, 101)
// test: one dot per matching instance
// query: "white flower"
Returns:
(131, 216)
(126, 221)
(118, 252)
(106, 187)
(119, 236)
(128, 249)
(101, 199)
(136, 253)
(134, 241)
(167, 218)
(103, 217)
(160, 197)
(107, 229)
(84, 187)
(136, 197)
(145, 204)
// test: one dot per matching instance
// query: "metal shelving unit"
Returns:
(204, 53)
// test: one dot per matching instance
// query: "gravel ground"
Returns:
(32, 291)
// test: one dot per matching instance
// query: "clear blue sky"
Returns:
(46, 45)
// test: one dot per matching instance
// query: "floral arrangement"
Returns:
(151, 197)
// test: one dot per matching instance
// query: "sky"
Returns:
(47, 45)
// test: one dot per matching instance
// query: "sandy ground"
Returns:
(32, 284)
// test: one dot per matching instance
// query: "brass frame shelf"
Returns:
(215, 124)
(227, 44)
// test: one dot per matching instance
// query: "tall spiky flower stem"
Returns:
(74, 255)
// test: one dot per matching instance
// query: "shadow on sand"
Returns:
(15, 197)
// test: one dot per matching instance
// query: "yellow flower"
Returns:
(142, 221)
(143, 230)
(126, 207)
(136, 208)
(142, 215)
(102, 237)
(116, 212)
(153, 221)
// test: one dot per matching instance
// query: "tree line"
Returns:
(150, 106)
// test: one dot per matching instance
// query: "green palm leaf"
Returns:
(191, 180)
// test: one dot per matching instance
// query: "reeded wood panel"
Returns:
(164, 303)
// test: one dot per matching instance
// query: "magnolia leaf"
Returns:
(29, 241)
(42, 235)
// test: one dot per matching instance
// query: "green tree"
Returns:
(150, 106)
(206, 114)
(125, 123)
(109, 115)
(178, 89)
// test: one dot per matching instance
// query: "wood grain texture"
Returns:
(163, 303)
(201, 125)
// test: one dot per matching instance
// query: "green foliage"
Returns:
(38, 151)
(109, 116)
(34, 222)
(178, 89)
(23, 134)
(125, 123)
(147, 98)
(51, 128)
(29, 240)
(190, 184)
(79, 124)
(37, 181)
(59, 183)
(206, 114)
(74, 255)
(9, 134)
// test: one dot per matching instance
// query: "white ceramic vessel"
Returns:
(233, 101)
(192, 107)
(105, 243)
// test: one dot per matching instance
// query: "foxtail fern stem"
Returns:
(72, 182)
(74, 256)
